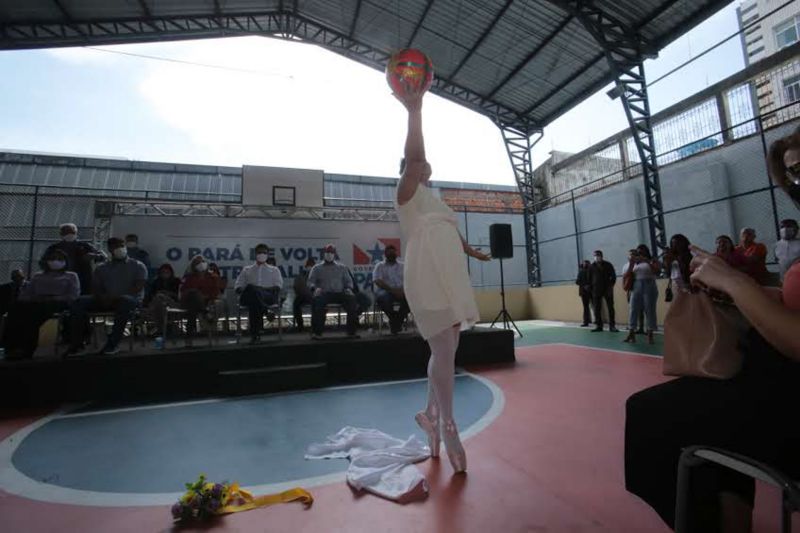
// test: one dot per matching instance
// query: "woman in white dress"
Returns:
(437, 283)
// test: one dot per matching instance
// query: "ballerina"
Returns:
(438, 287)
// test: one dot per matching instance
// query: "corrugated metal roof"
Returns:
(528, 61)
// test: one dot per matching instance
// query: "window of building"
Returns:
(786, 33)
(791, 87)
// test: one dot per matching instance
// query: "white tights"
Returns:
(441, 374)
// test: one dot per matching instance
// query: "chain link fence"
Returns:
(712, 172)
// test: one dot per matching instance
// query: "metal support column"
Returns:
(519, 144)
(625, 50)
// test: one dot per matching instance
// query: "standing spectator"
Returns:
(302, 294)
(388, 278)
(117, 286)
(9, 292)
(602, 278)
(755, 255)
(161, 294)
(199, 296)
(48, 292)
(677, 260)
(728, 252)
(330, 282)
(787, 250)
(258, 287)
(644, 295)
(585, 291)
(134, 252)
(80, 255)
(639, 324)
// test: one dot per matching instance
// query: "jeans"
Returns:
(386, 301)
(319, 306)
(122, 306)
(644, 298)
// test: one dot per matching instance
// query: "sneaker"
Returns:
(584, 325)
(613, 329)
(595, 330)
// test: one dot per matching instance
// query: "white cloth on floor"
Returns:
(379, 463)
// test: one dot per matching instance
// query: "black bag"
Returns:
(668, 296)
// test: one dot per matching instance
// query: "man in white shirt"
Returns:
(258, 287)
(388, 278)
(787, 250)
(330, 282)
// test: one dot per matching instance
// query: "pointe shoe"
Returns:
(432, 430)
(455, 450)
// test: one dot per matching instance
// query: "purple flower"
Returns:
(216, 491)
(177, 510)
(215, 504)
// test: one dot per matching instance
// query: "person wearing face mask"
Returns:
(118, 287)
(602, 278)
(302, 294)
(388, 277)
(199, 295)
(754, 253)
(787, 249)
(330, 282)
(259, 287)
(750, 414)
(134, 252)
(48, 292)
(161, 294)
(80, 255)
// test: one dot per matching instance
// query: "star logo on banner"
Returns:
(377, 253)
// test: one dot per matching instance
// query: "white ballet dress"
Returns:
(436, 280)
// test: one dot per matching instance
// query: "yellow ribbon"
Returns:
(254, 502)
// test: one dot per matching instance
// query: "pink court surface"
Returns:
(552, 461)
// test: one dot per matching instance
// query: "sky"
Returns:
(289, 104)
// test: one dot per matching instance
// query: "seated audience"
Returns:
(330, 282)
(9, 292)
(302, 294)
(388, 280)
(117, 286)
(47, 293)
(751, 414)
(80, 255)
(787, 249)
(199, 296)
(729, 253)
(161, 294)
(259, 286)
(755, 255)
(134, 252)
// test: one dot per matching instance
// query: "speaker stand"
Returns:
(504, 314)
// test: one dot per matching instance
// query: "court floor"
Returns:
(544, 439)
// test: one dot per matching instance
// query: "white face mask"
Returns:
(201, 267)
(131, 244)
(56, 264)
(120, 253)
(329, 257)
(261, 258)
(597, 258)
(70, 237)
(787, 234)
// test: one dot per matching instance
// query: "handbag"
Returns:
(668, 295)
(701, 337)
(628, 279)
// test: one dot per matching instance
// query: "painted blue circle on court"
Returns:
(254, 440)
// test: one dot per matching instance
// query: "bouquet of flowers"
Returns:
(204, 499)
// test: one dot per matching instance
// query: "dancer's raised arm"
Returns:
(414, 168)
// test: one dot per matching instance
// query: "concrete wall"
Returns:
(731, 169)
